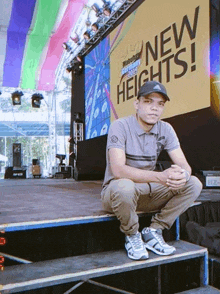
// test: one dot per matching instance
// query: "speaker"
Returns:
(35, 162)
(8, 172)
(17, 154)
(91, 159)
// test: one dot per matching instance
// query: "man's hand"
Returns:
(174, 177)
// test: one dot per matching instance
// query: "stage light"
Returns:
(0, 92)
(61, 157)
(106, 8)
(80, 67)
(78, 117)
(69, 69)
(16, 97)
(71, 140)
(72, 155)
(97, 10)
(66, 47)
(86, 35)
(36, 100)
(79, 58)
(77, 65)
(95, 27)
(77, 68)
(106, 11)
(75, 39)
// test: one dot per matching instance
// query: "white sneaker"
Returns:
(153, 240)
(135, 247)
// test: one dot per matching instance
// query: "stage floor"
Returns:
(25, 200)
(57, 200)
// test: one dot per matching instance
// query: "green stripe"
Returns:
(125, 30)
(47, 11)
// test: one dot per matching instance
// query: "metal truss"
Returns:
(77, 136)
(106, 26)
(116, 290)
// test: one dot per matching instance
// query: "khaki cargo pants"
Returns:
(123, 197)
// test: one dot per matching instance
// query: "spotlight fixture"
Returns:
(86, 35)
(61, 157)
(77, 68)
(36, 100)
(95, 27)
(72, 155)
(66, 47)
(69, 69)
(78, 117)
(0, 92)
(79, 58)
(71, 140)
(97, 10)
(106, 11)
(75, 39)
(16, 97)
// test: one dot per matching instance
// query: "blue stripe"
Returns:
(21, 17)
(28, 226)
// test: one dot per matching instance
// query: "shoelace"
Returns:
(136, 241)
(159, 236)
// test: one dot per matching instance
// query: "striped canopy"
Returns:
(31, 36)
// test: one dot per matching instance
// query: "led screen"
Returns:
(170, 45)
(97, 91)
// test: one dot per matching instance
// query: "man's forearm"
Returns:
(187, 169)
(137, 175)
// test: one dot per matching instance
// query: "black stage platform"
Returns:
(37, 203)
(44, 220)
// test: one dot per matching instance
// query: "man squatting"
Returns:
(131, 183)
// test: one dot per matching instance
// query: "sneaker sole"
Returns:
(141, 257)
(158, 252)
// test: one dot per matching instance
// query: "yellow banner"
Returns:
(167, 41)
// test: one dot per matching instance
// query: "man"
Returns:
(131, 184)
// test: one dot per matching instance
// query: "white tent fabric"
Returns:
(3, 158)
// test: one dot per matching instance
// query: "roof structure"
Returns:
(32, 33)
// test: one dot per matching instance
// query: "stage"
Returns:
(43, 201)
(50, 220)
(37, 203)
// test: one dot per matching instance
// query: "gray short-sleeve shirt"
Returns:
(141, 148)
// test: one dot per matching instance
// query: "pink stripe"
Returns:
(111, 104)
(55, 49)
(117, 34)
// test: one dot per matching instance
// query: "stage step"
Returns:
(214, 271)
(202, 290)
(74, 237)
(43, 274)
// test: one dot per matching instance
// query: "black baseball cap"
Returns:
(153, 87)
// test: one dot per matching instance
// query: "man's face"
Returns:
(150, 108)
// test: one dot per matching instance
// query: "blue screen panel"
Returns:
(97, 90)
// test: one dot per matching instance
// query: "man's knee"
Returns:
(123, 189)
(196, 186)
